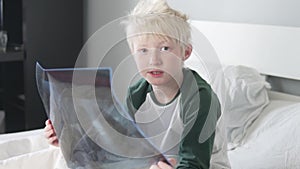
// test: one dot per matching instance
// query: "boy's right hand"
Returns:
(163, 165)
(50, 133)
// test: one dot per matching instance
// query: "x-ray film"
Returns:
(93, 128)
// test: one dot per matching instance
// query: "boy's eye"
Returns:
(165, 48)
(143, 50)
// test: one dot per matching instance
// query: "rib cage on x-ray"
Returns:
(94, 130)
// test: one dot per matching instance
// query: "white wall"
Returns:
(269, 12)
(99, 16)
(97, 13)
(272, 12)
(107, 37)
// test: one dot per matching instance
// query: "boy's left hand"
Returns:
(163, 165)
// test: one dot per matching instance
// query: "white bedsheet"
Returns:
(273, 141)
(29, 150)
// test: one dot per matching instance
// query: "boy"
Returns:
(172, 104)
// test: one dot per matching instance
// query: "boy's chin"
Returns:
(157, 81)
(154, 81)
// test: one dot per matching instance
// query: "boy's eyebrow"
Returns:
(165, 41)
(142, 45)
(161, 41)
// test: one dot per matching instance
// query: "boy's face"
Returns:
(158, 59)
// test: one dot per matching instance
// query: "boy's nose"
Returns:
(155, 58)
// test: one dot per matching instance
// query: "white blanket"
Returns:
(273, 141)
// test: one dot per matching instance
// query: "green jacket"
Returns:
(198, 103)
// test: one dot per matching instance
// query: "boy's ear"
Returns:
(187, 52)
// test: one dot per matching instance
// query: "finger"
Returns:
(154, 167)
(49, 134)
(56, 143)
(53, 140)
(47, 122)
(47, 128)
(164, 165)
(172, 161)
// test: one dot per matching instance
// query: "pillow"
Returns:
(242, 91)
(246, 95)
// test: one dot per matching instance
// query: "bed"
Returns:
(262, 128)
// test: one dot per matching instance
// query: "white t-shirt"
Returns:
(161, 124)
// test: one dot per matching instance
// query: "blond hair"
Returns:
(158, 18)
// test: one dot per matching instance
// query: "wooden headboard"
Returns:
(272, 50)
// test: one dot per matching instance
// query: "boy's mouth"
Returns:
(156, 73)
